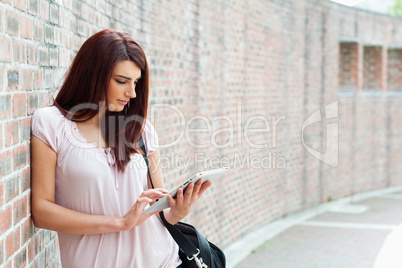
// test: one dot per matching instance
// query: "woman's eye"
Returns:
(120, 82)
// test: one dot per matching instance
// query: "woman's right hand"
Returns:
(134, 216)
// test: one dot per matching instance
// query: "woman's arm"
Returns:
(182, 204)
(47, 214)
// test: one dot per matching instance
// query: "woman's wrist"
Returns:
(114, 224)
(171, 217)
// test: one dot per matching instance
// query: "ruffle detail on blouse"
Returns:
(111, 159)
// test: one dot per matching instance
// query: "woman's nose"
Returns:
(131, 92)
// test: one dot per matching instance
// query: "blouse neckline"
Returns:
(78, 135)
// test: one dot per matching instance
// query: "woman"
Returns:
(89, 180)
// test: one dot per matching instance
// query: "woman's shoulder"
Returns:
(150, 137)
(47, 117)
(50, 115)
(48, 125)
(149, 129)
(51, 111)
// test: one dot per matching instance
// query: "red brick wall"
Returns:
(279, 60)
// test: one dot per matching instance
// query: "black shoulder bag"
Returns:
(195, 250)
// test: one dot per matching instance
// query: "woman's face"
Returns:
(122, 85)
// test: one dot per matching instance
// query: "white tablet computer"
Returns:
(205, 176)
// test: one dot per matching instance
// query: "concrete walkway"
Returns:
(359, 231)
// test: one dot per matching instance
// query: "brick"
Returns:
(33, 102)
(5, 219)
(81, 29)
(1, 19)
(12, 78)
(12, 23)
(25, 126)
(7, 2)
(19, 209)
(40, 261)
(19, 51)
(26, 27)
(6, 162)
(11, 188)
(64, 18)
(5, 106)
(54, 14)
(21, 4)
(54, 57)
(33, 7)
(20, 155)
(32, 54)
(19, 104)
(77, 7)
(26, 79)
(2, 80)
(91, 16)
(2, 255)
(5, 48)
(21, 258)
(31, 249)
(43, 56)
(72, 23)
(68, 41)
(49, 253)
(77, 42)
(58, 36)
(45, 99)
(25, 180)
(12, 242)
(48, 78)
(46, 236)
(49, 34)
(9, 264)
(2, 138)
(44, 9)
(11, 128)
(38, 79)
(1, 195)
(38, 30)
(68, 4)
(64, 58)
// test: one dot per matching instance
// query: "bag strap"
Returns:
(185, 244)
(144, 154)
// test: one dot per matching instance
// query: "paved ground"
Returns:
(349, 235)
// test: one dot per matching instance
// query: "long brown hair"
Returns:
(87, 81)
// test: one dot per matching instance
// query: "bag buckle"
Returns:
(200, 263)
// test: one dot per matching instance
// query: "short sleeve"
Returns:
(45, 125)
(150, 138)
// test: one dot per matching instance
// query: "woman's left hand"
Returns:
(182, 204)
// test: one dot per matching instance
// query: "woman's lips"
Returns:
(123, 102)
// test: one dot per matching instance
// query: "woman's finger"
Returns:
(204, 187)
(144, 200)
(197, 188)
(188, 193)
(153, 193)
(171, 200)
(163, 190)
(179, 196)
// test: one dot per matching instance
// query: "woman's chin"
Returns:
(115, 108)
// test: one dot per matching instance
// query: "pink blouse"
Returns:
(87, 180)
